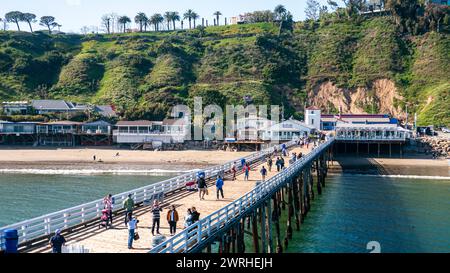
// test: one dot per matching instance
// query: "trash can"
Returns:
(11, 238)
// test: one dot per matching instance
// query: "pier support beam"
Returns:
(255, 233)
(269, 228)
(276, 220)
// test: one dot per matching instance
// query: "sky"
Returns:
(74, 14)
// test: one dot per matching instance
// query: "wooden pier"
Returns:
(115, 240)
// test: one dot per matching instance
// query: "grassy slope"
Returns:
(144, 74)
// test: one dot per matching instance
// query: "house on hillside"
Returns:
(16, 108)
(96, 133)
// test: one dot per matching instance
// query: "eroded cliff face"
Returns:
(380, 98)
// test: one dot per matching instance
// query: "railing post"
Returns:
(199, 232)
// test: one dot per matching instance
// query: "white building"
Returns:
(287, 130)
(251, 128)
(145, 131)
(312, 117)
(371, 132)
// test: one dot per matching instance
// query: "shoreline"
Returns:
(390, 167)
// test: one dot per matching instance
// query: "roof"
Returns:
(105, 110)
(62, 122)
(357, 119)
(312, 108)
(281, 126)
(355, 115)
(134, 123)
(50, 105)
(97, 123)
(175, 122)
(367, 126)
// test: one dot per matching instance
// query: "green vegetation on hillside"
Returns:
(145, 74)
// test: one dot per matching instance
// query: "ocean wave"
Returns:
(430, 177)
(154, 172)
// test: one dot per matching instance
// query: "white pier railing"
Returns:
(204, 228)
(45, 225)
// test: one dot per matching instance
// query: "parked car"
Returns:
(445, 130)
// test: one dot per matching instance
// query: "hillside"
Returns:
(357, 67)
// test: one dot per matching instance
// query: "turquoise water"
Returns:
(24, 196)
(402, 214)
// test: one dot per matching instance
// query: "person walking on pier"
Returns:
(195, 215)
(234, 170)
(132, 226)
(128, 205)
(188, 218)
(246, 171)
(270, 163)
(282, 163)
(57, 241)
(278, 163)
(108, 203)
(202, 187)
(263, 173)
(219, 187)
(156, 209)
(172, 219)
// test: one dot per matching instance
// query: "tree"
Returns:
(333, 5)
(124, 20)
(49, 22)
(217, 14)
(175, 17)
(156, 19)
(189, 16)
(141, 19)
(14, 17)
(29, 18)
(280, 12)
(435, 14)
(403, 11)
(106, 22)
(195, 16)
(312, 10)
(168, 18)
(353, 7)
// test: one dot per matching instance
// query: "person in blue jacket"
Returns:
(219, 186)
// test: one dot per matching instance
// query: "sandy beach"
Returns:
(84, 156)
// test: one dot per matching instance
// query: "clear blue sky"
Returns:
(73, 14)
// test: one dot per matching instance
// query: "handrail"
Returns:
(202, 229)
(45, 225)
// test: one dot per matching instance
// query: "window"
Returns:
(312, 121)
(312, 112)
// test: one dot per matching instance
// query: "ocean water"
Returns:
(24, 196)
(402, 214)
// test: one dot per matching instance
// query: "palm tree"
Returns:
(124, 20)
(188, 15)
(217, 14)
(168, 18)
(195, 16)
(29, 18)
(280, 12)
(140, 19)
(175, 17)
(156, 19)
